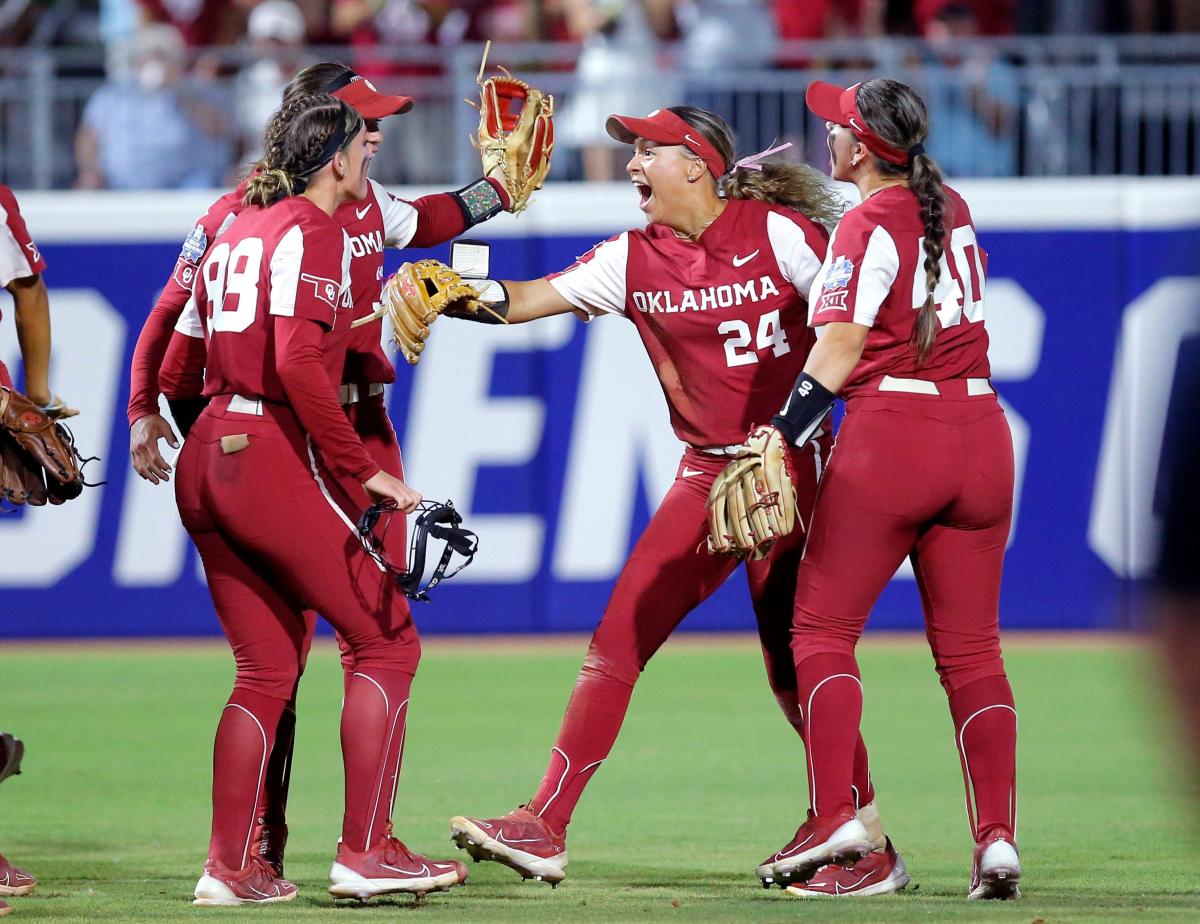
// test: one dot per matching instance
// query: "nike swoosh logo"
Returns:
(837, 886)
(742, 261)
(689, 472)
(788, 853)
(528, 840)
(424, 870)
(691, 139)
(362, 213)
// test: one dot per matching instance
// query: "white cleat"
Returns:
(519, 840)
(996, 872)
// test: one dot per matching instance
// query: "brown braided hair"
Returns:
(796, 186)
(314, 79)
(897, 114)
(294, 140)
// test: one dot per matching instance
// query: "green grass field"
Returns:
(111, 812)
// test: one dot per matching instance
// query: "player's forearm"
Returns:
(829, 364)
(529, 301)
(836, 353)
(32, 316)
(299, 362)
(149, 353)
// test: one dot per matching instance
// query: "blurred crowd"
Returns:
(164, 66)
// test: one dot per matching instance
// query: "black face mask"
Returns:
(440, 522)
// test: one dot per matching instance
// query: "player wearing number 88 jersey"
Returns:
(923, 468)
(716, 287)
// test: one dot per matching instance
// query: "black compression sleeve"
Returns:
(806, 407)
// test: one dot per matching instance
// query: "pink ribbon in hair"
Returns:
(752, 162)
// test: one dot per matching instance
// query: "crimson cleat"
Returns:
(996, 870)
(520, 840)
(839, 838)
(5, 908)
(14, 880)
(254, 885)
(880, 872)
(390, 868)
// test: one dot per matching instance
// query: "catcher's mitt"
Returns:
(413, 298)
(753, 500)
(38, 460)
(516, 134)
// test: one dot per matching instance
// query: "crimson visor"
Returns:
(662, 126)
(361, 94)
(833, 104)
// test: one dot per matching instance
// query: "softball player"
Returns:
(716, 288)
(175, 363)
(923, 470)
(275, 293)
(21, 268)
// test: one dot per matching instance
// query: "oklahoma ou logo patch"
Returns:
(323, 288)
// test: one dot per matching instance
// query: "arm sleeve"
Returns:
(799, 246)
(596, 282)
(299, 362)
(19, 255)
(858, 273)
(169, 311)
(182, 372)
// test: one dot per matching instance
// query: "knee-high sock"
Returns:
(279, 768)
(831, 700)
(374, 715)
(862, 788)
(589, 729)
(241, 755)
(985, 732)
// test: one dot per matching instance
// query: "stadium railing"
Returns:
(1022, 106)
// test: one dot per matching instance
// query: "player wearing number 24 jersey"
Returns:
(716, 287)
(923, 470)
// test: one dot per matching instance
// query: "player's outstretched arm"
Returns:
(529, 301)
(32, 316)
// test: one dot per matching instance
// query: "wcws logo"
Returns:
(725, 296)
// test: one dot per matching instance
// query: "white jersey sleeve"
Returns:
(597, 281)
(796, 258)
(399, 217)
(189, 323)
(856, 277)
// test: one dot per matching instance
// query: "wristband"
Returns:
(806, 407)
(479, 201)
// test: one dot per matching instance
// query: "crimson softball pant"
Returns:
(669, 573)
(274, 543)
(370, 420)
(929, 478)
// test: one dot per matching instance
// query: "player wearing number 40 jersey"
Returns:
(716, 287)
(923, 470)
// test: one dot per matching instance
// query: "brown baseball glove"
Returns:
(38, 460)
(753, 500)
(516, 134)
(414, 297)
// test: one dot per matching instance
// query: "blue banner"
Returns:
(553, 437)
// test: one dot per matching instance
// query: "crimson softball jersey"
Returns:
(289, 260)
(723, 319)
(379, 220)
(19, 255)
(874, 275)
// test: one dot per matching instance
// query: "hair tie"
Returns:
(752, 162)
(915, 151)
